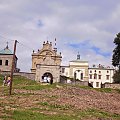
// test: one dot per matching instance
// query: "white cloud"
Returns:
(71, 22)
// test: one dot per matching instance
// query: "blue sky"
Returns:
(87, 26)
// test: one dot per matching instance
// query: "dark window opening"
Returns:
(95, 76)
(6, 62)
(92, 83)
(81, 76)
(97, 84)
(107, 77)
(63, 70)
(90, 76)
(75, 75)
(0, 62)
(99, 76)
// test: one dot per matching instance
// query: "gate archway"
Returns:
(78, 74)
(47, 77)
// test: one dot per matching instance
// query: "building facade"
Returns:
(100, 75)
(6, 57)
(46, 63)
(77, 69)
(80, 70)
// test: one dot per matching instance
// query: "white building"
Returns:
(80, 70)
(47, 62)
(77, 69)
(100, 75)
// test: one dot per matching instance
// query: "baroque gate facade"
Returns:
(46, 62)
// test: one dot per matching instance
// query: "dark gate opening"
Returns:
(47, 78)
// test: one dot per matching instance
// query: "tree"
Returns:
(116, 77)
(116, 58)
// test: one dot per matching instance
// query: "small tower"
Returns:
(78, 56)
(7, 46)
(55, 48)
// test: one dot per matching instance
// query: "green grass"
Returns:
(1, 79)
(56, 106)
(48, 110)
(37, 87)
(19, 80)
(50, 115)
(29, 115)
(106, 90)
(98, 114)
(118, 90)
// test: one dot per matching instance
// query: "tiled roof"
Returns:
(6, 51)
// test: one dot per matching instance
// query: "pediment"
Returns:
(46, 52)
(48, 61)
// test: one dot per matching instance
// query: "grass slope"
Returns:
(33, 101)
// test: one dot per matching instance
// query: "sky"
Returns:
(85, 26)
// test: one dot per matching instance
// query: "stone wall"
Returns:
(53, 70)
(24, 74)
(112, 85)
(64, 80)
(27, 75)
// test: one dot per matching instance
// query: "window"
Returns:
(81, 76)
(63, 70)
(107, 77)
(6, 62)
(90, 76)
(0, 62)
(95, 76)
(90, 71)
(107, 71)
(99, 76)
(99, 71)
(75, 75)
(95, 70)
(97, 84)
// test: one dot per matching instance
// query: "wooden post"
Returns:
(12, 69)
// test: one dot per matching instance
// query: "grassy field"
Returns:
(34, 101)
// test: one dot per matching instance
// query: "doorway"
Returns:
(47, 78)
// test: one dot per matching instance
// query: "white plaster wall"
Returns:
(103, 76)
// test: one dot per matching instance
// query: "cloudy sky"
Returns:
(87, 26)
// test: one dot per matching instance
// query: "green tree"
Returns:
(116, 58)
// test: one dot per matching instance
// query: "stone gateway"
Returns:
(46, 64)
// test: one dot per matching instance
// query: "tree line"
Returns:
(116, 58)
